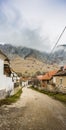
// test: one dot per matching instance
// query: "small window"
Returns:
(60, 81)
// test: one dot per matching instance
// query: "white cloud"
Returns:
(32, 23)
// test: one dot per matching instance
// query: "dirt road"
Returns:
(34, 111)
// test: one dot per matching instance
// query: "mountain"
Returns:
(23, 52)
(59, 55)
(26, 60)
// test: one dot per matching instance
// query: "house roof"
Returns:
(48, 75)
(61, 73)
(4, 56)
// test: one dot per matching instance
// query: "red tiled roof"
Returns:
(61, 73)
(47, 76)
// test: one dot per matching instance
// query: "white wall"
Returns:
(1, 67)
(2, 82)
(24, 83)
(54, 79)
(5, 82)
(9, 84)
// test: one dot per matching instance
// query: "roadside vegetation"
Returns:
(56, 95)
(11, 99)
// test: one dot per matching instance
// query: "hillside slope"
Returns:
(23, 52)
(30, 66)
(27, 61)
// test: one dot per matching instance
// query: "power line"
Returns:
(58, 40)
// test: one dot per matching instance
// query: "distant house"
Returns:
(25, 81)
(6, 84)
(46, 81)
(60, 80)
(15, 78)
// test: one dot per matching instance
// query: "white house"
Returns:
(24, 82)
(6, 83)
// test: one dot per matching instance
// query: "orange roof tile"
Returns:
(48, 75)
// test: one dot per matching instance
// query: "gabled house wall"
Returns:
(47, 81)
(60, 82)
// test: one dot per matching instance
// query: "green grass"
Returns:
(56, 95)
(11, 99)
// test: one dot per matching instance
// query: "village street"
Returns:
(33, 111)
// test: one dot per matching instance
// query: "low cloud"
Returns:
(33, 24)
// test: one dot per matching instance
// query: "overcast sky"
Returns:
(32, 23)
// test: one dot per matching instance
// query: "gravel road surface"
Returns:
(33, 111)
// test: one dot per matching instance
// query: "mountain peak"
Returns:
(23, 52)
